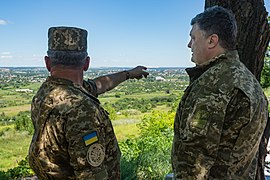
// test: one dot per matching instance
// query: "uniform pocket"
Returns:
(199, 120)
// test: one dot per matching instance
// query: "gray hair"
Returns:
(67, 58)
(220, 21)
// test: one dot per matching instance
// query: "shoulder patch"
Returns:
(95, 155)
(90, 138)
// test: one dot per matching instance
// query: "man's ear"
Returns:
(213, 41)
(86, 64)
(48, 63)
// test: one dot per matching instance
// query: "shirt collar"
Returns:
(197, 71)
(61, 81)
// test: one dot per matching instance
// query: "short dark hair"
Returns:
(220, 21)
(67, 58)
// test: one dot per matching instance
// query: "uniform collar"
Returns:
(61, 81)
(197, 71)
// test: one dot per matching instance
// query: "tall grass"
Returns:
(13, 148)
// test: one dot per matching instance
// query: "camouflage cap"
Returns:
(67, 39)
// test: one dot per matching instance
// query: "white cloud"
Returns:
(38, 56)
(6, 57)
(3, 22)
(5, 53)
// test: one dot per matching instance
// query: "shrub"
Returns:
(23, 122)
(148, 156)
(112, 113)
(22, 170)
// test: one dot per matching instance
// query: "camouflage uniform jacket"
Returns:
(74, 137)
(219, 122)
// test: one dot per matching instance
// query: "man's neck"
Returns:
(214, 55)
(74, 75)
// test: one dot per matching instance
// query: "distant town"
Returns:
(14, 75)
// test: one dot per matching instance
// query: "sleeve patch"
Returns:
(90, 138)
(199, 119)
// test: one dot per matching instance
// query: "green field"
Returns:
(14, 147)
(14, 110)
(12, 101)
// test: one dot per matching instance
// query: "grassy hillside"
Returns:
(14, 145)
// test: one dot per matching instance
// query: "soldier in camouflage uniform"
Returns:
(74, 137)
(223, 112)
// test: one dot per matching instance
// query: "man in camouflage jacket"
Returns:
(74, 137)
(223, 112)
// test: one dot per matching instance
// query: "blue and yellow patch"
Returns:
(90, 138)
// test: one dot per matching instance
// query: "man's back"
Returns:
(64, 114)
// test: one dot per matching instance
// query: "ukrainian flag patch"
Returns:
(90, 138)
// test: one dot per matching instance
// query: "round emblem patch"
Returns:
(95, 155)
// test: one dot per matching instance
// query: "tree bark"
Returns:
(253, 40)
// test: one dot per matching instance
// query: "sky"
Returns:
(121, 33)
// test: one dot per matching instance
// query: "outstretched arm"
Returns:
(110, 81)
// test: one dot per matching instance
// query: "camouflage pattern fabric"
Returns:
(67, 39)
(219, 122)
(74, 137)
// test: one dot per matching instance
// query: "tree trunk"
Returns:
(252, 42)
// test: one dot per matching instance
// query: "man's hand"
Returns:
(138, 72)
